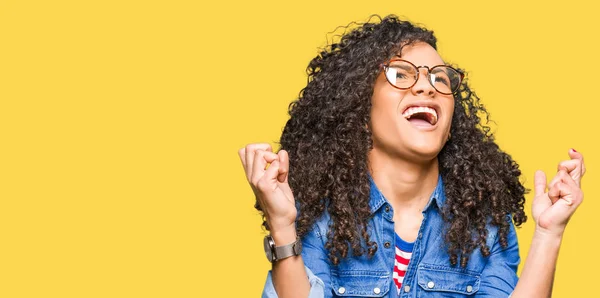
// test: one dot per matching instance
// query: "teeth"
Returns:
(414, 110)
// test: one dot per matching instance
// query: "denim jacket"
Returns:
(429, 272)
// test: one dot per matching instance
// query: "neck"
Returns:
(404, 183)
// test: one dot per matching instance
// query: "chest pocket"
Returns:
(444, 279)
(360, 283)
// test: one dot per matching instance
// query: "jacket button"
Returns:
(469, 289)
(406, 289)
(387, 245)
(387, 208)
(342, 290)
(377, 290)
(430, 285)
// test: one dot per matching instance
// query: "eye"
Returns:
(401, 74)
(440, 76)
(442, 79)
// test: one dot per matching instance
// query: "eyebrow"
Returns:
(443, 62)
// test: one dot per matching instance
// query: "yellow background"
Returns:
(120, 123)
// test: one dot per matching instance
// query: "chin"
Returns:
(424, 151)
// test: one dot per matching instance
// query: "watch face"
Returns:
(269, 246)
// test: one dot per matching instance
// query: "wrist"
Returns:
(284, 236)
(548, 236)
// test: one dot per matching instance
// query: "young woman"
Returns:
(388, 184)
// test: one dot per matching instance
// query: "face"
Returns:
(404, 122)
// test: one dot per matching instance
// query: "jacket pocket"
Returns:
(360, 283)
(436, 278)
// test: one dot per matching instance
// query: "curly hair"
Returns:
(328, 139)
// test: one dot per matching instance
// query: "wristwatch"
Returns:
(276, 253)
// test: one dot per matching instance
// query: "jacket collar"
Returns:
(377, 199)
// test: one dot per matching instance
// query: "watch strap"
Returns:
(289, 250)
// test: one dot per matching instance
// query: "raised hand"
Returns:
(270, 185)
(553, 208)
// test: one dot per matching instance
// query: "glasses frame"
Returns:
(386, 66)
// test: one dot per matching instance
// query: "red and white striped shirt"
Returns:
(403, 253)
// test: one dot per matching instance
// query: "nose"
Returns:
(423, 86)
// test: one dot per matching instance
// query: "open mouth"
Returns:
(421, 116)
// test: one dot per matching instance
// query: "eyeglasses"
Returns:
(404, 75)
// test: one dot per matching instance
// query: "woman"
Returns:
(399, 190)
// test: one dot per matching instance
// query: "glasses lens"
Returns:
(445, 79)
(401, 74)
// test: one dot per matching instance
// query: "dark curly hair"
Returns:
(328, 139)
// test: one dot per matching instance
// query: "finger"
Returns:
(569, 187)
(272, 172)
(242, 155)
(565, 193)
(569, 165)
(554, 192)
(268, 183)
(573, 167)
(560, 175)
(574, 154)
(284, 166)
(261, 158)
(564, 207)
(568, 180)
(539, 183)
(250, 151)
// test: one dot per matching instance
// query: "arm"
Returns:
(551, 212)
(500, 275)
(315, 266)
(267, 173)
(538, 274)
(289, 276)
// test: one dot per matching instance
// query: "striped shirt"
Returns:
(403, 254)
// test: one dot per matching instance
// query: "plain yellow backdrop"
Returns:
(120, 123)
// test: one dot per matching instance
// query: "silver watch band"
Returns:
(286, 251)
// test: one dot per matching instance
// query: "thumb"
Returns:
(539, 183)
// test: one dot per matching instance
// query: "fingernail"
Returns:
(573, 150)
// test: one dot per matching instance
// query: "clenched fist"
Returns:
(553, 208)
(270, 184)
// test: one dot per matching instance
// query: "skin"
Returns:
(403, 161)
(404, 165)
(552, 207)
